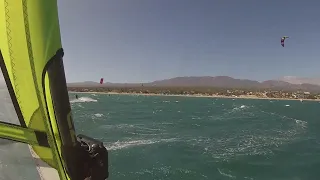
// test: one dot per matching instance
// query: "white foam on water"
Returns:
(240, 107)
(98, 115)
(196, 118)
(83, 99)
(225, 174)
(127, 144)
(249, 142)
(138, 129)
(301, 123)
(248, 178)
(167, 170)
(242, 110)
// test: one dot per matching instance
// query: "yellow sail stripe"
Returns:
(21, 134)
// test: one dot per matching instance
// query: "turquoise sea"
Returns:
(162, 138)
(188, 138)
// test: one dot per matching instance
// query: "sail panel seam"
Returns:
(14, 92)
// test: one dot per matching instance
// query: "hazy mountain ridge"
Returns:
(208, 81)
(300, 80)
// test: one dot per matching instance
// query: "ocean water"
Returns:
(187, 138)
(162, 138)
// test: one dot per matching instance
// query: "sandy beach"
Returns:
(197, 95)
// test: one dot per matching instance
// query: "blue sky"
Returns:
(146, 40)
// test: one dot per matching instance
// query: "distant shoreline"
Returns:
(198, 95)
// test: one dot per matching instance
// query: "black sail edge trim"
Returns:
(11, 91)
(59, 54)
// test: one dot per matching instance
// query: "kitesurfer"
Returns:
(77, 96)
(283, 39)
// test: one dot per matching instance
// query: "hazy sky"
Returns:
(145, 40)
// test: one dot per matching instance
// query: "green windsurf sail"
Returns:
(31, 62)
(30, 38)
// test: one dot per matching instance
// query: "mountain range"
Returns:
(284, 83)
